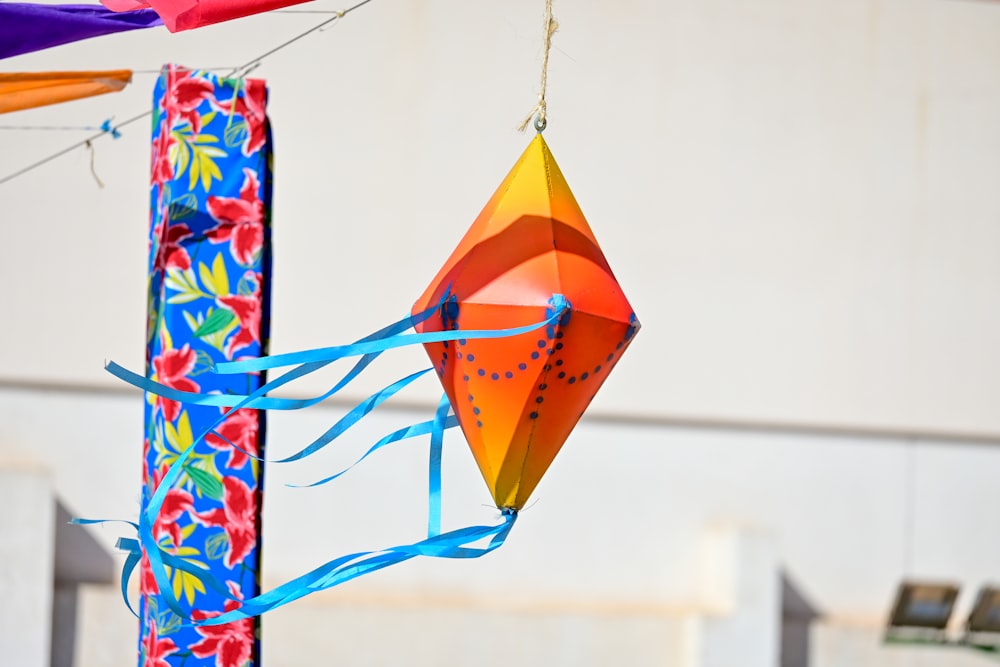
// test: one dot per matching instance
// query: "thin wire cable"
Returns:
(144, 114)
(51, 128)
(539, 112)
(203, 69)
(72, 147)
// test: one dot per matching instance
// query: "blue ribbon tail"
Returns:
(434, 468)
(453, 544)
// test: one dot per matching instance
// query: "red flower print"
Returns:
(240, 428)
(172, 367)
(241, 220)
(163, 170)
(230, 643)
(176, 503)
(252, 107)
(157, 649)
(183, 97)
(248, 310)
(171, 254)
(147, 581)
(237, 517)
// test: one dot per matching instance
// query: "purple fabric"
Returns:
(27, 27)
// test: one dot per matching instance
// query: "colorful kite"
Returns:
(180, 15)
(523, 323)
(27, 27)
(36, 89)
(517, 398)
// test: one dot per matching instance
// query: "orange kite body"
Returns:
(518, 398)
(35, 89)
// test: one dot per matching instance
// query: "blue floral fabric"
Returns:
(209, 272)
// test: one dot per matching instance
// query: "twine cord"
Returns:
(540, 111)
(93, 169)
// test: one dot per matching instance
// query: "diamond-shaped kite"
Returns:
(518, 398)
(523, 324)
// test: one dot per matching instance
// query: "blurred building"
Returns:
(801, 201)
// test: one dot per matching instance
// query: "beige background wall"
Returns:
(801, 200)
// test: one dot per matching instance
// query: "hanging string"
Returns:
(242, 68)
(71, 148)
(93, 169)
(540, 110)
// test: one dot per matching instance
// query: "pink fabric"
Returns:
(180, 15)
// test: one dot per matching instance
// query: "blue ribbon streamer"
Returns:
(558, 305)
(434, 468)
(126, 544)
(257, 399)
(134, 556)
(411, 431)
(454, 544)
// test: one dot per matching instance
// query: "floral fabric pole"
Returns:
(209, 273)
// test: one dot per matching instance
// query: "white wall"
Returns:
(799, 198)
(27, 555)
(615, 537)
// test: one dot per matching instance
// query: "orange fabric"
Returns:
(518, 398)
(35, 89)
